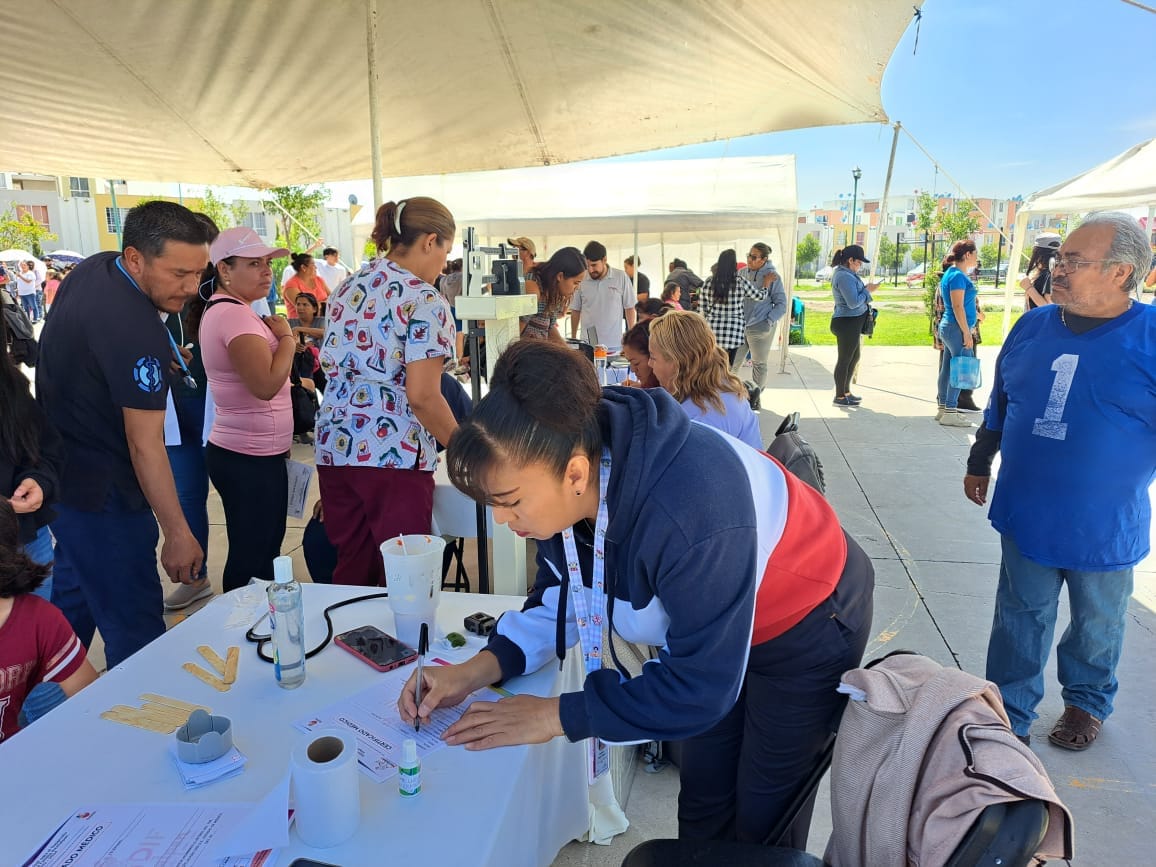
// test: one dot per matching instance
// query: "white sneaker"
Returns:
(939, 411)
(186, 594)
(951, 418)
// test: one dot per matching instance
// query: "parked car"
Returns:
(915, 275)
(989, 273)
(824, 273)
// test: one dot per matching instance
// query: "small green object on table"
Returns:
(456, 639)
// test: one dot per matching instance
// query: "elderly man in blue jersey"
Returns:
(1073, 411)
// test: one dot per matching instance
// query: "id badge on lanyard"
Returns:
(591, 617)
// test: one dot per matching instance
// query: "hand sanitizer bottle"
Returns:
(287, 619)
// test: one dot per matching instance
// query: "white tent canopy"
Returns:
(1125, 181)
(660, 209)
(270, 93)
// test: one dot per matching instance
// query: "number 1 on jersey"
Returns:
(1050, 425)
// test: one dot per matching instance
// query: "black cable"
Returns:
(262, 640)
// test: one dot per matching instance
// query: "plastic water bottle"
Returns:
(600, 354)
(287, 622)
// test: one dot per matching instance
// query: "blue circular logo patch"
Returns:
(146, 373)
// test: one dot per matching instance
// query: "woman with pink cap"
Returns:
(247, 359)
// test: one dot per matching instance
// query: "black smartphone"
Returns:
(309, 862)
(376, 648)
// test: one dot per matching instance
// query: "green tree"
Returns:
(23, 233)
(294, 207)
(886, 255)
(959, 223)
(213, 207)
(239, 212)
(917, 253)
(806, 252)
(926, 211)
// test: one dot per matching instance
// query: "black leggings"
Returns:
(255, 495)
(846, 330)
(740, 776)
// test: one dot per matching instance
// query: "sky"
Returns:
(1009, 96)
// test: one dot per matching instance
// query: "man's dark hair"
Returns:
(594, 251)
(630, 260)
(148, 226)
(329, 251)
(677, 263)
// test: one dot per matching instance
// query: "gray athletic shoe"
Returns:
(951, 418)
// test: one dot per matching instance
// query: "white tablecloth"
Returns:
(513, 806)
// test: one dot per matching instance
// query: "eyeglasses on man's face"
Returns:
(754, 257)
(1073, 263)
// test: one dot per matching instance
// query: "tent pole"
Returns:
(1013, 267)
(883, 204)
(374, 81)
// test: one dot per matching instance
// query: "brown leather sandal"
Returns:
(1075, 730)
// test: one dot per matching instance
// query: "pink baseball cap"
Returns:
(244, 242)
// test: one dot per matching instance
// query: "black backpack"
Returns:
(22, 345)
(796, 454)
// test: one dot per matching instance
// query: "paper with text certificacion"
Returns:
(371, 716)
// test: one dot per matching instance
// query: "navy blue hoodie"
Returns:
(684, 559)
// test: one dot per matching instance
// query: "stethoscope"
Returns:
(188, 377)
(263, 639)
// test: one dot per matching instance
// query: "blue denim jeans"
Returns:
(189, 473)
(44, 696)
(1025, 621)
(952, 339)
(106, 576)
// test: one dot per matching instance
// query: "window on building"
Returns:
(78, 188)
(255, 220)
(110, 219)
(38, 212)
(860, 237)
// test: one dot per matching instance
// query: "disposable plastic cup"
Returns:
(413, 575)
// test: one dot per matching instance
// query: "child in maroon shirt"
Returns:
(36, 643)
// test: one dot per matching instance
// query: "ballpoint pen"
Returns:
(422, 649)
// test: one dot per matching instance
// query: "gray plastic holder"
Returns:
(204, 738)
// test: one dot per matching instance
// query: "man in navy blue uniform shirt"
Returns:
(1073, 411)
(102, 379)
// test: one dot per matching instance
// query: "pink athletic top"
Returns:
(243, 423)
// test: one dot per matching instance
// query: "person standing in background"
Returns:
(247, 360)
(723, 298)
(760, 316)
(527, 252)
(27, 289)
(602, 300)
(852, 307)
(330, 270)
(1037, 283)
(187, 458)
(641, 281)
(957, 327)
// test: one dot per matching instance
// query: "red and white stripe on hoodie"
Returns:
(801, 545)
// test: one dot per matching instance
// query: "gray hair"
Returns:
(1129, 245)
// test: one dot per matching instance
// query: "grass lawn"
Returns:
(898, 328)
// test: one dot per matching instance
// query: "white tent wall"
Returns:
(1124, 182)
(690, 209)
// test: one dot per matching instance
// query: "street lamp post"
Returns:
(856, 173)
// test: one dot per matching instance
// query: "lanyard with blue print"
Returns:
(590, 617)
(188, 377)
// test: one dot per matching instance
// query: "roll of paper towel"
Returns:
(326, 788)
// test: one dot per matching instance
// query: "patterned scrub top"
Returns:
(379, 320)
